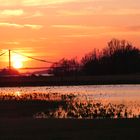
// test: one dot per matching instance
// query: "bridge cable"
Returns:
(3, 53)
(37, 59)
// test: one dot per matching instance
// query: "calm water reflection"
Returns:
(108, 92)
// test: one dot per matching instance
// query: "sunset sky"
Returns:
(53, 29)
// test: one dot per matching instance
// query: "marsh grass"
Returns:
(77, 109)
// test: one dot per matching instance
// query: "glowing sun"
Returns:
(17, 61)
(17, 64)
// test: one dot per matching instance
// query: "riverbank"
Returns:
(13, 81)
(69, 129)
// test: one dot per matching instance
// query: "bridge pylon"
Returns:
(9, 59)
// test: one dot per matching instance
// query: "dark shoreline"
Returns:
(69, 129)
(14, 81)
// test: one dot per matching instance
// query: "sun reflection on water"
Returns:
(17, 93)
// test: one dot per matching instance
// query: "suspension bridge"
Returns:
(9, 52)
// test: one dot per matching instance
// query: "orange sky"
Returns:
(53, 29)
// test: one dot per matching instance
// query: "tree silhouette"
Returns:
(65, 67)
(90, 63)
(119, 57)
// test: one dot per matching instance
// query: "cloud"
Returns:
(124, 11)
(78, 36)
(8, 12)
(34, 15)
(95, 31)
(36, 2)
(77, 7)
(44, 2)
(74, 13)
(82, 27)
(12, 43)
(6, 24)
(70, 26)
(9, 2)
(31, 26)
(98, 11)
(32, 2)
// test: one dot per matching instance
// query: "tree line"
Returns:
(119, 57)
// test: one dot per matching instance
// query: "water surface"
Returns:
(129, 95)
(111, 92)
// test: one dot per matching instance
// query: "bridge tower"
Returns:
(9, 59)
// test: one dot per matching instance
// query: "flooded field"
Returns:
(107, 92)
(122, 100)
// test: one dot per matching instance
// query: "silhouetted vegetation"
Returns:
(119, 57)
(65, 67)
(73, 107)
(12, 71)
